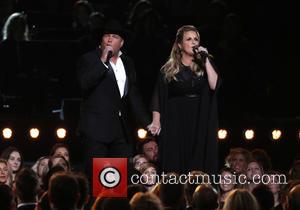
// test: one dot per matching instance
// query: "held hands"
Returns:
(154, 127)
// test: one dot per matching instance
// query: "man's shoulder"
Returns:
(127, 59)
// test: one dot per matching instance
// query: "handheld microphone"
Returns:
(109, 55)
(203, 54)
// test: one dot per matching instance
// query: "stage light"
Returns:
(7, 133)
(222, 134)
(249, 134)
(142, 133)
(276, 134)
(61, 133)
(34, 133)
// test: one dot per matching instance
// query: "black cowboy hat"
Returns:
(113, 26)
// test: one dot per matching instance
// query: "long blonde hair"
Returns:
(172, 66)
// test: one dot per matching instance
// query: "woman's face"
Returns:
(139, 162)
(254, 171)
(3, 173)
(274, 184)
(62, 151)
(43, 164)
(60, 161)
(149, 176)
(14, 161)
(238, 163)
(227, 181)
(190, 39)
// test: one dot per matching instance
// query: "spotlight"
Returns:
(222, 134)
(61, 133)
(249, 134)
(142, 133)
(7, 133)
(276, 134)
(34, 133)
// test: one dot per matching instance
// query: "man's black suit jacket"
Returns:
(104, 114)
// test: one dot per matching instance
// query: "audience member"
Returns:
(294, 198)
(240, 199)
(171, 192)
(238, 159)
(7, 198)
(138, 161)
(145, 201)
(149, 148)
(135, 188)
(205, 198)
(14, 160)
(5, 174)
(264, 197)
(63, 191)
(26, 185)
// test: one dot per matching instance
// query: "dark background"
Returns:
(254, 43)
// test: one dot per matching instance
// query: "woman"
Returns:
(41, 167)
(238, 159)
(254, 174)
(148, 175)
(14, 160)
(59, 160)
(138, 161)
(4, 173)
(184, 107)
(227, 184)
(239, 199)
(275, 184)
(62, 150)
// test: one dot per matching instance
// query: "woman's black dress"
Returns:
(188, 111)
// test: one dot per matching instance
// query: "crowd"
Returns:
(246, 181)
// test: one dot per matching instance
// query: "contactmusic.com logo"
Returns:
(110, 177)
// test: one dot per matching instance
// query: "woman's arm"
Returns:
(212, 75)
(155, 126)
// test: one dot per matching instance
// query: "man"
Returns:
(149, 148)
(26, 184)
(63, 191)
(107, 79)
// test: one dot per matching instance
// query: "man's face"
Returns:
(112, 40)
(150, 150)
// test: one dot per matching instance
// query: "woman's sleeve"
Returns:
(219, 80)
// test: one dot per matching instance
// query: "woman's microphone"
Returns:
(203, 54)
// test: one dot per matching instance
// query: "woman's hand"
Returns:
(154, 127)
(200, 48)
